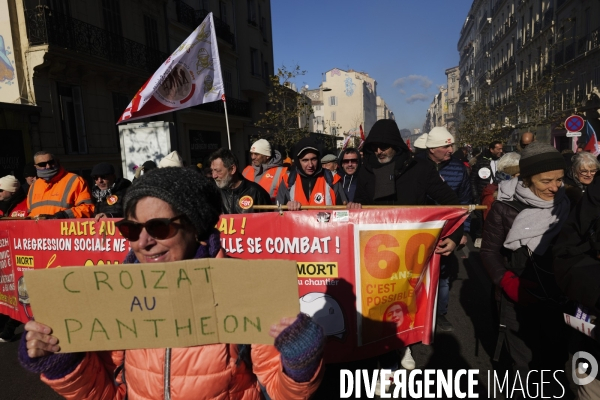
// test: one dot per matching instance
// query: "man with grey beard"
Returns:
(238, 193)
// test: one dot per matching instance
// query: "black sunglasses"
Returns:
(350, 161)
(44, 163)
(158, 228)
(381, 146)
(103, 177)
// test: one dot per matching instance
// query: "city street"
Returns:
(470, 346)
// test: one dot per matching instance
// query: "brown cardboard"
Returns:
(179, 304)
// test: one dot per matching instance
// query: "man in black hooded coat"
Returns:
(403, 180)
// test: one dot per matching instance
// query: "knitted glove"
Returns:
(301, 346)
(516, 288)
(54, 366)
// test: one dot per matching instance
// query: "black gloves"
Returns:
(58, 215)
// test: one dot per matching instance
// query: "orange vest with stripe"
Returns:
(321, 195)
(65, 192)
(269, 180)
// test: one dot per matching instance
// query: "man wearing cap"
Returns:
(13, 201)
(267, 167)
(57, 193)
(454, 173)
(173, 159)
(330, 162)
(238, 193)
(108, 191)
(309, 184)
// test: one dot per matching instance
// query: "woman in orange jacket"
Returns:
(170, 216)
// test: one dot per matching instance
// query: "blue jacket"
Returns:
(455, 174)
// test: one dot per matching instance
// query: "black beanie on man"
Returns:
(539, 157)
(185, 191)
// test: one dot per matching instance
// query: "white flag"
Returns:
(190, 76)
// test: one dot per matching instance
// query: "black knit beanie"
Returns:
(539, 157)
(185, 190)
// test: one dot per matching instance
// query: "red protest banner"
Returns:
(28, 244)
(366, 276)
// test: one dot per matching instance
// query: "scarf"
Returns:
(208, 249)
(533, 227)
(48, 174)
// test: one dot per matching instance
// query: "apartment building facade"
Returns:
(511, 45)
(79, 63)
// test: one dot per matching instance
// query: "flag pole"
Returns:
(226, 120)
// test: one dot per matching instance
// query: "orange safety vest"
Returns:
(269, 180)
(65, 192)
(321, 195)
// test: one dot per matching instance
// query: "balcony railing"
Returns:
(45, 26)
(192, 18)
(234, 107)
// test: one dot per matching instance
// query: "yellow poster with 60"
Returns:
(392, 276)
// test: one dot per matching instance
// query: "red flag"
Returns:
(408, 144)
(362, 133)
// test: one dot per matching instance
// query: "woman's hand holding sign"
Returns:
(40, 342)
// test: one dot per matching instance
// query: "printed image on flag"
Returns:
(190, 76)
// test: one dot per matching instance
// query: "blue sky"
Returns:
(405, 45)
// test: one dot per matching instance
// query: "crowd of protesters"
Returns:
(539, 240)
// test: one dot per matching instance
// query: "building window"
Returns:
(72, 119)
(112, 16)
(333, 115)
(333, 101)
(60, 6)
(266, 71)
(227, 84)
(334, 130)
(151, 32)
(223, 11)
(319, 120)
(318, 108)
(254, 62)
(252, 12)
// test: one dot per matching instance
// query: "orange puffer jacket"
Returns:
(201, 372)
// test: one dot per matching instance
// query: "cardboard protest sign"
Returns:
(185, 303)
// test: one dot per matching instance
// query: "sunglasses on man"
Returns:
(373, 147)
(349, 161)
(43, 164)
(157, 228)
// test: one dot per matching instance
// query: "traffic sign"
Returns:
(574, 123)
(573, 134)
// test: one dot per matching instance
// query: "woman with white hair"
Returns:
(583, 168)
